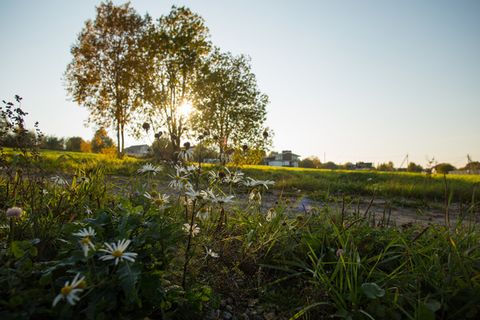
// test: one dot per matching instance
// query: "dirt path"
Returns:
(378, 209)
(399, 213)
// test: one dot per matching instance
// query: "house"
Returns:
(284, 159)
(138, 150)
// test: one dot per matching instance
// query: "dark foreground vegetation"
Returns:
(72, 248)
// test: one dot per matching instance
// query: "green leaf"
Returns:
(129, 276)
(17, 249)
(424, 312)
(372, 290)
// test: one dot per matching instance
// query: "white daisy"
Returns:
(180, 169)
(161, 200)
(149, 168)
(191, 229)
(70, 291)
(191, 168)
(59, 181)
(88, 211)
(211, 253)
(86, 242)
(179, 181)
(186, 154)
(203, 214)
(117, 251)
(255, 183)
(235, 177)
(221, 200)
(192, 194)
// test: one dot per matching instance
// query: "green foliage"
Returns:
(413, 167)
(444, 168)
(172, 51)
(53, 143)
(386, 166)
(228, 103)
(310, 162)
(101, 140)
(74, 144)
(474, 166)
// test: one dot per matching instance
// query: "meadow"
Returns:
(76, 243)
(316, 183)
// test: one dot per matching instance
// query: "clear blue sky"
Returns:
(357, 80)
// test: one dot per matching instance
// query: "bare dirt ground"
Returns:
(395, 212)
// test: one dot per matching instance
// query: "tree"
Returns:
(330, 165)
(444, 168)
(52, 143)
(74, 144)
(85, 146)
(101, 140)
(310, 162)
(228, 103)
(173, 50)
(386, 166)
(413, 167)
(472, 166)
(106, 63)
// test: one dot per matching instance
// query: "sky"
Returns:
(347, 80)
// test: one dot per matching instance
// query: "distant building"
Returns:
(138, 150)
(364, 166)
(284, 159)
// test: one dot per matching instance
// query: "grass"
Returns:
(320, 183)
(319, 265)
(69, 162)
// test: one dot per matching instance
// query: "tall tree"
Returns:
(173, 51)
(106, 62)
(228, 102)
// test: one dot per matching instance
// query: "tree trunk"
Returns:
(123, 140)
(118, 138)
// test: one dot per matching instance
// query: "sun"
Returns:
(185, 109)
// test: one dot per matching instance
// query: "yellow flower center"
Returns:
(117, 253)
(82, 285)
(85, 240)
(66, 290)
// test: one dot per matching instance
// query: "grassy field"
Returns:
(75, 249)
(68, 162)
(319, 184)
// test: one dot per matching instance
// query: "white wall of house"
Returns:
(276, 163)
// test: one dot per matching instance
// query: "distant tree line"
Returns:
(100, 143)
(314, 162)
